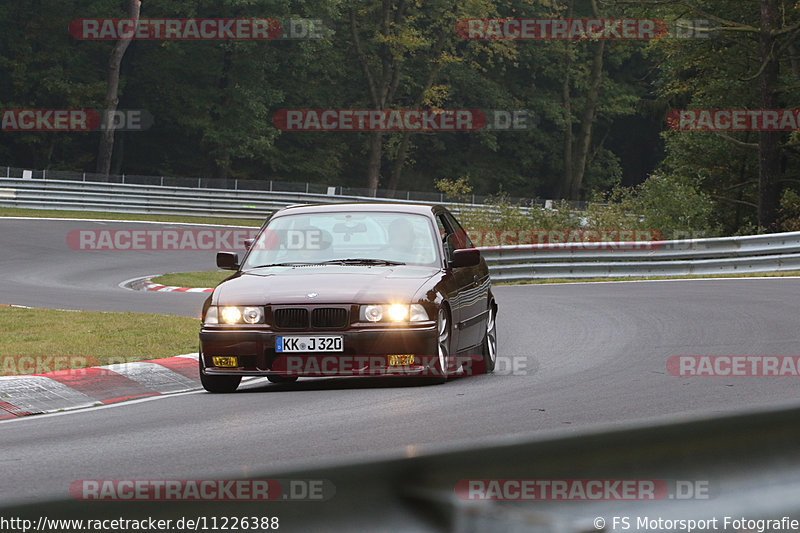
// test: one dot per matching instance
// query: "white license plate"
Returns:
(324, 343)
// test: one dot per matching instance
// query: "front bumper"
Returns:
(366, 352)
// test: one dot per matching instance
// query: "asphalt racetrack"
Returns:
(587, 355)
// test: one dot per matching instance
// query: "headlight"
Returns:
(393, 313)
(372, 313)
(234, 315)
(253, 315)
(398, 313)
(231, 315)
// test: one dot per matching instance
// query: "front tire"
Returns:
(489, 345)
(442, 362)
(218, 384)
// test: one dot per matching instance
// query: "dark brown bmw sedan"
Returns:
(351, 290)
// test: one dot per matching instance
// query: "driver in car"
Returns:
(401, 239)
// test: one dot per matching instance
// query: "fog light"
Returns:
(225, 362)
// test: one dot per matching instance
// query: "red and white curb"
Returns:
(86, 387)
(150, 286)
(145, 284)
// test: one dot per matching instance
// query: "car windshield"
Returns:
(346, 237)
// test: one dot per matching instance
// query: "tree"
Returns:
(401, 48)
(740, 68)
(106, 148)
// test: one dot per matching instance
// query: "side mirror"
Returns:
(466, 257)
(228, 260)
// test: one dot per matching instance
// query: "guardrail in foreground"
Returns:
(743, 467)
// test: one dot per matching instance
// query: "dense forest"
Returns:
(601, 108)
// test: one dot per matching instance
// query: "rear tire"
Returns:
(218, 384)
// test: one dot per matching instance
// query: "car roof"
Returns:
(392, 207)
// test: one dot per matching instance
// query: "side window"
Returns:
(446, 236)
(460, 237)
(442, 228)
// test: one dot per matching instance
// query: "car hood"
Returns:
(330, 284)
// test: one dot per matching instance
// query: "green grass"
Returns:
(546, 281)
(193, 279)
(101, 338)
(56, 213)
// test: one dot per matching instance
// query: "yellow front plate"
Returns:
(401, 360)
(225, 362)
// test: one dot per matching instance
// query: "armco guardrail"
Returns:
(169, 200)
(727, 255)
(761, 253)
(263, 185)
(154, 199)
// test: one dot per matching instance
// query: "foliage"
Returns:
(790, 210)
(213, 102)
(455, 190)
(665, 205)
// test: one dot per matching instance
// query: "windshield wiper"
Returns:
(289, 264)
(352, 261)
(362, 261)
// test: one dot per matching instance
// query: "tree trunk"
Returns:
(222, 165)
(374, 160)
(769, 141)
(584, 140)
(119, 154)
(399, 161)
(566, 98)
(405, 142)
(382, 90)
(566, 182)
(221, 153)
(106, 148)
